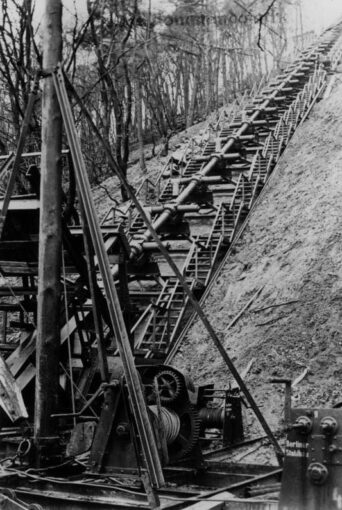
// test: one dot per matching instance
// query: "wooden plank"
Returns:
(32, 155)
(212, 503)
(11, 399)
(18, 271)
(20, 356)
(7, 347)
(105, 229)
(16, 307)
(227, 500)
(206, 505)
(26, 376)
(21, 291)
(70, 327)
(19, 244)
(15, 268)
(19, 265)
(22, 204)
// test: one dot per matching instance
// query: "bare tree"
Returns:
(19, 58)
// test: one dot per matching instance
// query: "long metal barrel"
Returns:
(165, 215)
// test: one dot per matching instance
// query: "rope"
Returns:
(23, 449)
(78, 390)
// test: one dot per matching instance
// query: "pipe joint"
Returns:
(233, 137)
(219, 155)
(172, 209)
(196, 178)
(136, 249)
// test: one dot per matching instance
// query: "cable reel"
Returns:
(188, 435)
(167, 393)
(212, 417)
(170, 422)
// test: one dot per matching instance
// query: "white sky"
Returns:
(317, 14)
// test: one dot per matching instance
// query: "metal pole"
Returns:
(188, 291)
(228, 145)
(139, 408)
(88, 248)
(48, 327)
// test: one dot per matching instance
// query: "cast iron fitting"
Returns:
(328, 426)
(317, 473)
(112, 384)
(122, 429)
(172, 209)
(136, 249)
(333, 448)
(233, 137)
(196, 178)
(303, 424)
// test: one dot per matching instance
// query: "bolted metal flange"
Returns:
(122, 429)
(303, 424)
(317, 473)
(328, 425)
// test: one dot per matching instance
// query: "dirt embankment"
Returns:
(108, 193)
(293, 248)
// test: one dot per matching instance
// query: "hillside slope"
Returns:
(293, 248)
(107, 194)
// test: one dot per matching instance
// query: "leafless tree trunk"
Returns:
(197, 72)
(48, 327)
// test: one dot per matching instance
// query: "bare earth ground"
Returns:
(104, 197)
(293, 247)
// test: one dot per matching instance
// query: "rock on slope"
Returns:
(293, 247)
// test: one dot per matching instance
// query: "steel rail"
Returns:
(139, 408)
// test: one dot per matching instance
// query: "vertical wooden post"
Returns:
(48, 328)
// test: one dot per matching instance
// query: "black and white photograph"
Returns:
(171, 254)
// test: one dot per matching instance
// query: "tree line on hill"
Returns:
(144, 74)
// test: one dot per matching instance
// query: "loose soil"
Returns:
(292, 247)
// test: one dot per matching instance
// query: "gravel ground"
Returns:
(292, 248)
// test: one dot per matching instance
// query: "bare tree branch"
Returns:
(260, 20)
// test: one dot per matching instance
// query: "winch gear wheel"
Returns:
(170, 385)
(188, 435)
